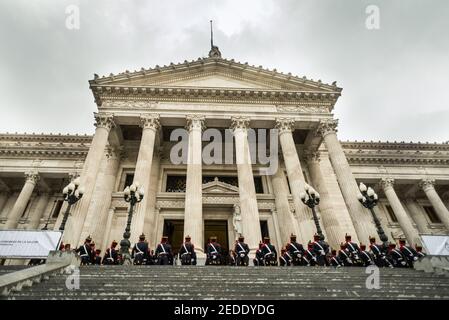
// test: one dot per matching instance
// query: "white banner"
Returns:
(437, 245)
(28, 243)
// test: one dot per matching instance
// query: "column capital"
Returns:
(387, 183)
(326, 127)
(150, 121)
(116, 153)
(195, 121)
(427, 184)
(32, 176)
(240, 123)
(285, 125)
(104, 120)
(312, 156)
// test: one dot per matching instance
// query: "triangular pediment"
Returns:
(215, 80)
(214, 73)
(217, 186)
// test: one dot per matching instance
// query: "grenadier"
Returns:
(366, 257)
(419, 251)
(140, 251)
(320, 249)
(285, 260)
(295, 250)
(258, 259)
(408, 252)
(163, 252)
(353, 250)
(85, 252)
(309, 256)
(187, 253)
(241, 250)
(378, 251)
(334, 260)
(111, 254)
(214, 254)
(269, 253)
(395, 257)
(344, 256)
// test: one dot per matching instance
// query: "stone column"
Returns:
(104, 123)
(193, 212)
(417, 215)
(330, 223)
(101, 200)
(348, 185)
(3, 200)
(247, 190)
(295, 178)
(428, 186)
(150, 125)
(151, 193)
(22, 201)
(404, 220)
(287, 223)
(107, 230)
(39, 211)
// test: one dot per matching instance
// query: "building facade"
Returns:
(138, 114)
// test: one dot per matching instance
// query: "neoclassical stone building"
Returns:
(138, 111)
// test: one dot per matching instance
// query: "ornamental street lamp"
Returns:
(132, 194)
(368, 198)
(311, 198)
(72, 193)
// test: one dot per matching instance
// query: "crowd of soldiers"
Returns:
(317, 253)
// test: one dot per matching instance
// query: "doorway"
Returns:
(174, 230)
(219, 229)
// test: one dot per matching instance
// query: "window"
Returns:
(391, 213)
(57, 208)
(128, 180)
(258, 184)
(176, 184)
(433, 217)
(264, 228)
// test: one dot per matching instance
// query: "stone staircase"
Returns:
(215, 282)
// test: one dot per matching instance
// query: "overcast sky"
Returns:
(395, 79)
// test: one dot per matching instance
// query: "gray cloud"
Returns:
(394, 79)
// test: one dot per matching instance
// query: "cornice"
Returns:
(386, 145)
(402, 159)
(152, 94)
(33, 137)
(202, 63)
(44, 152)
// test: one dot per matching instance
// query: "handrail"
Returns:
(57, 262)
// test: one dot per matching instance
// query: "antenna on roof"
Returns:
(214, 51)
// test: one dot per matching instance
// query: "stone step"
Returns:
(199, 282)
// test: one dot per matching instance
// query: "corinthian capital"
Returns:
(285, 125)
(150, 121)
(32, 176)
(327, 126)
(387, 183)
(312, 156)
(240, 123)
(104, 120)
(195, 121)
(427, 184)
